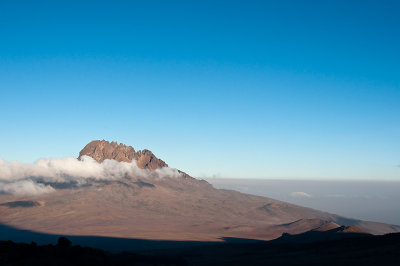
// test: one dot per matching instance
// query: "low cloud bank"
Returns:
(25, 187)
(34, 178)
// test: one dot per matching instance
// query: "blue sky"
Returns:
(256, 89)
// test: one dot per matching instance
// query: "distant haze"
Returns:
(367, 200)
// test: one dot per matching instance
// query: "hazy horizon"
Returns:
(366, 200)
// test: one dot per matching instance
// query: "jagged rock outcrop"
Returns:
(101, 150)
(147, 160)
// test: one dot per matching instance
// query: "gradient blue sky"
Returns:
(257, 89)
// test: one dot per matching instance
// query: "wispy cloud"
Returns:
(29, 178)
(300, 194)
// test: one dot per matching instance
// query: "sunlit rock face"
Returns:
(101, 150)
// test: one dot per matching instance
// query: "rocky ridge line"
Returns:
(101, 150)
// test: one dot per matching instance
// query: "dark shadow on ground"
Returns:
(235, 240)
(20, 204)
(358, 250)
(111, 244)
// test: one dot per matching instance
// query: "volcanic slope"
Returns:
(169, 208)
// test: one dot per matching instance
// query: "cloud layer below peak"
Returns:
(33, 178)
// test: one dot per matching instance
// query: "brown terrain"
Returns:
(168, 208)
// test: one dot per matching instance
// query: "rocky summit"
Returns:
(101, 150)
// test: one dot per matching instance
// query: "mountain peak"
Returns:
(101, 150)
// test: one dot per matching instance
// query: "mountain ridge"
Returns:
(101, 150)
(167, 208)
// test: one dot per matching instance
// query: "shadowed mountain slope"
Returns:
(345, 249)
(322, 234)
(350, 250)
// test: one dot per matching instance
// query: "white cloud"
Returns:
(25, 187)
(300, 194)
(22, 178)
